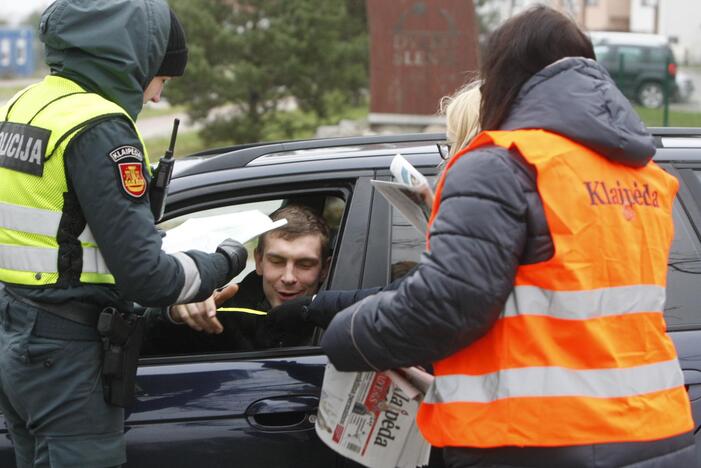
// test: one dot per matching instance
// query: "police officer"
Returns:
(76, 230)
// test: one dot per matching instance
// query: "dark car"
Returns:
(257, 409)
(642, 65)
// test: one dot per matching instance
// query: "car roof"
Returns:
(375, 151)
(624, 38)
(295, 160)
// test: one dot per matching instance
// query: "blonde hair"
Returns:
(462, 116)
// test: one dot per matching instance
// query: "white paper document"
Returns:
(207, 233)
(407, 201)
(410, 194)
(367, 417)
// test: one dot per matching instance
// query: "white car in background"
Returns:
(684, 88)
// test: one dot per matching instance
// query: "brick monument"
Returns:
(420, 51)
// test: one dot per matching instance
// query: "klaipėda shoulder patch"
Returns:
(130, 170)
(133, 180)
(126, 151)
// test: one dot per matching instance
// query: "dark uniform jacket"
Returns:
(242, 331)
(491, 221)
(118, 63)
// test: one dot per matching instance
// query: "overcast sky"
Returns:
(14, 11)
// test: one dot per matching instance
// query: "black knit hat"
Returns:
(176, 53)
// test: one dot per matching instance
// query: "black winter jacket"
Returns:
(242, 331)
(491, 221)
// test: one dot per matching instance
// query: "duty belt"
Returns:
(78, 312)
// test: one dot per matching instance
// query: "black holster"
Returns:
(121, 342)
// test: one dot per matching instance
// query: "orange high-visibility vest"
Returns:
(579, 354)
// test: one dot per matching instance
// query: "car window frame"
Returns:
(689, 190)
(378, 253)
(340, 185)
(689, 197)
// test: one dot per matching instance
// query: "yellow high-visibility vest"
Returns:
(36, 126)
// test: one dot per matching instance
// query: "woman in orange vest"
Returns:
(540, 297)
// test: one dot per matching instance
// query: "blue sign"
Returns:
(16, 51)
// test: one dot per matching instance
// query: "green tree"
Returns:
(247, 57)
(487, 17)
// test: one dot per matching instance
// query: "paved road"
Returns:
(163, 125)
(149, 127)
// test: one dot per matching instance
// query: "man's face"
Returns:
(290, 268)
(155, 88)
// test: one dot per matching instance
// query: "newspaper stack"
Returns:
(370, 417)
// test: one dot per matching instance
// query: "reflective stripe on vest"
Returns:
(579, 354)
(36, 221)
(583, 305)
(31, 207)
(45, 260)
(530, 382)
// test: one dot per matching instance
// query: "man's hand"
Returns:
(202, 316)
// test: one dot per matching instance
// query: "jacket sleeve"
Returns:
(123, 226)
(458, 289)
(334, 301)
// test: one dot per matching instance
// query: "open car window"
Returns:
(243, 316)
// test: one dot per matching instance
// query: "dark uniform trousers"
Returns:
(51, 392)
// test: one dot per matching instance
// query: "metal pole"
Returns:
(665, 91)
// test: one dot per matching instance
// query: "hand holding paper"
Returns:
(411, 195)
(405, 173)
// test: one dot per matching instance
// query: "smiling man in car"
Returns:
(291, 261)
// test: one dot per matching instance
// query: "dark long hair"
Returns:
(518, 49)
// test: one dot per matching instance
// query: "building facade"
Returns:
(679, 20)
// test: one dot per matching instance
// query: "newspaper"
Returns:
(206, 233)
(411, 194)
(370, 417)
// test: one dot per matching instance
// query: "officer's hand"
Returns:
(290, 314)
(236, 254)
(202, 316)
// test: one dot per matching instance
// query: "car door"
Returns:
(246, 409)
(253, 409)
(396, 245)
(682, 311)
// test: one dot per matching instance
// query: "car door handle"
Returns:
(288, 413)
